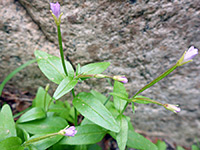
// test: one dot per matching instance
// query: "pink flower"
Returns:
(173, 108)
(187, 56)
(55, 8)
(191, 53)
(71, 131)
(122, 79)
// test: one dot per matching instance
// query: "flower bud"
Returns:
(122, 79)
(187, 56)
(55, 8)
(55, 11)
(173, 108)
(68, 131)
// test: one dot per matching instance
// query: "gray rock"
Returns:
(141, 40)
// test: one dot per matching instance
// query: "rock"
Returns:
(141, 39)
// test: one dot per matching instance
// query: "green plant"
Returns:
(44, 124)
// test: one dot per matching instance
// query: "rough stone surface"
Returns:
(141, 39)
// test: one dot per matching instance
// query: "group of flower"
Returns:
(187, 57)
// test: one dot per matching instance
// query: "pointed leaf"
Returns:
(122, 136)
(95, 68)
(95, 111)
(42, 99)
(137, 141)
(52, 67)
(118, 102)
(11, 143)
(86, 134)
(99, 96)
(64, 87)
(33, 114)
(47, 125)
(45, 143)
(7, 124)
(161, 145)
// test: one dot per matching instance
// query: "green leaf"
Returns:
(52, 67)
(133, 107)
(42, 99)
(45, 143)
(11, 143)
(94, 68)
(94, 147)
(14, 73)
(64, 87)
(179, 148)
(78, 70)
(106, 102)
(99, 96)
(118, 102)
(137, 141)
(120, 96)
(60, 110)
(95, 111)
(161, 145)
(47, 125)
(22, 134)
(195, 147)
(33, 114)
(7, 124)
(122, 136)
(86, 134)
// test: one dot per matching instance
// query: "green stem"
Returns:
(93, 76)
(75, 111)
(39, 138)
(61, 49)
(49, 103)
(124, 108)
(107, 100)
(45, 96)
(156, 80)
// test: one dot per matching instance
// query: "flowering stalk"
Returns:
(119, 78)
(61, 49)
(187, 56)
(65, 132)
(55, 11)
(156, 80)
(39, 138)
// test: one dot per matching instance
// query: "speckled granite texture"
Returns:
(140, 39)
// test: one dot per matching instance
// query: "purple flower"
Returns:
(122, 79)
(191, 53)
(173, 108)
(55, 8)
(71, 131)
(187, 56)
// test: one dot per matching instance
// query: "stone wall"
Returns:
(140, 38)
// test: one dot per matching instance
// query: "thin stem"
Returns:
(156, 80)
(39, 138)
(45, 97)
(75, 111)
(49, 103)
(124, 108)
(61, 49)
(107, 100)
